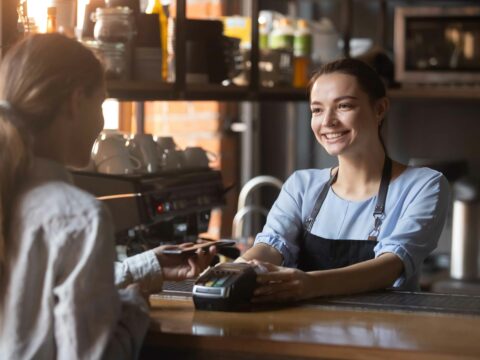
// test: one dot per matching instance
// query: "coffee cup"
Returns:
(119, 165)
(111, 156)
(197, 157)
(143, 147)
(165, 143)
(112, 133)
(172, 160)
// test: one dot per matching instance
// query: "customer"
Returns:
(367, 224)
(57, 293)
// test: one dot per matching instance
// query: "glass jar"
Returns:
(112, 56)
(113, 25)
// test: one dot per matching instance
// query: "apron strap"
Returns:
(382, 192)
(379, 212)
(319, 202)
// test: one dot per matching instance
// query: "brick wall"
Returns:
(201, 123)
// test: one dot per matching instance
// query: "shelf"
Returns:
(150, 91)
(140, 90)
(283, 94)
(436, 92)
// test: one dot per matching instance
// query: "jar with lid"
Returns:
(112, 56)
(113, 25)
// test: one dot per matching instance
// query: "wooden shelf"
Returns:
(149, 91)
(140, 90)
(282, 94)
(436, 93)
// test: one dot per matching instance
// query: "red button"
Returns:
(160, 208)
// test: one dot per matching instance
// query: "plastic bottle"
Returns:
(155, 7)
(281, 37)
(52, 19)
(302, 49)
(263, 37)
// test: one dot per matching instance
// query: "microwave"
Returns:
(437, 45)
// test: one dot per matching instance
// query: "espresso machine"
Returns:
(155, 209)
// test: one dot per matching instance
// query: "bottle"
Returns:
(262, 36)
(281, 37)
(52, 19)
(302, 49)
(155, 7)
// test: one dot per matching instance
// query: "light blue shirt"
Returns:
(415, 213)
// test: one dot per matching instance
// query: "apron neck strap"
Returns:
(379, 211)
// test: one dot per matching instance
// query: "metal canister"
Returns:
(465, 230)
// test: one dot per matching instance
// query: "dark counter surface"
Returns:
(357, 327)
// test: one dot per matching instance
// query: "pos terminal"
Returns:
(226, 287)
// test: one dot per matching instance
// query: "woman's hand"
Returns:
(184, 266)
(281, 284)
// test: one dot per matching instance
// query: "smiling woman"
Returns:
(335, 231)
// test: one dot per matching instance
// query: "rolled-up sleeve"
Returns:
(284, 223)
(416, 233)
(143, 268)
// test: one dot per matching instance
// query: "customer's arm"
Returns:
(143, 268)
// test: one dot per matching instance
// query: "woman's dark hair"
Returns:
(367, 77)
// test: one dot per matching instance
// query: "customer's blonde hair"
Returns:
(37, 76)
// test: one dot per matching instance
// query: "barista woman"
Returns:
(364, 225)
(58, 298)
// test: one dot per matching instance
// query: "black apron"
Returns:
(317, 253)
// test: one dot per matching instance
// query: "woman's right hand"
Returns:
(282, 284)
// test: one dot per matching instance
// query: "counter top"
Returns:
(307, 331)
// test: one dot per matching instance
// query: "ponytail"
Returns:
(14, 160)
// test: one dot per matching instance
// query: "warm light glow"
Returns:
(111, 113)
(81, 4)
(37, 9)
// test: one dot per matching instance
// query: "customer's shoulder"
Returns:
(58, 198)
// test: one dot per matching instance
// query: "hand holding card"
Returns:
(190, 249)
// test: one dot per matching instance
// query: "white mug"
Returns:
(143, 147)
(111, 156)
(172, 160)
(197, 157)
(119, 165)
(165, 143)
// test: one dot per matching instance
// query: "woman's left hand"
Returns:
(185, 266)
(281, 284)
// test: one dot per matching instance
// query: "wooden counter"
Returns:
(307, 331)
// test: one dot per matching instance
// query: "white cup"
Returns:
(111, 156)
(165, 143)
(118, 165)
(143, 147)
(172, 160)
(197, 157)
